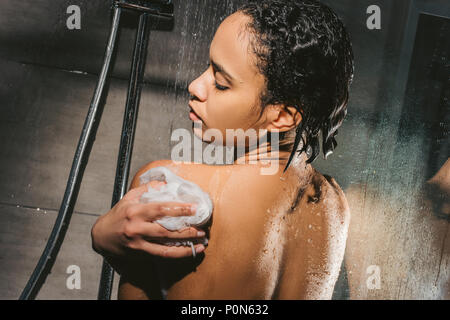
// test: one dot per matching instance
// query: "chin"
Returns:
(212, 136)
(198, 132)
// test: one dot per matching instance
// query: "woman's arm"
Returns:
(139, 278)
(124, 232)
(139, 281)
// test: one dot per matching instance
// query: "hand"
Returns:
(128, 227)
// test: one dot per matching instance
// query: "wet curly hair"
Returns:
(304, 51)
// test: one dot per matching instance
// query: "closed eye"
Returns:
(219, 87)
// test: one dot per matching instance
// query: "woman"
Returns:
(284, 67)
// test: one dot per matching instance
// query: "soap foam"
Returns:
(177, 189)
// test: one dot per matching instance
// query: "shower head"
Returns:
(161, 9)
(148, 2)
(159, 1)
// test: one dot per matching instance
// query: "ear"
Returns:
(282, 118)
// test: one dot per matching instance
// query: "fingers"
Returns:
(174, 209)
(156, 210)
(169, 252)
(154, 231)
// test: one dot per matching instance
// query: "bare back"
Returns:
(274, 236)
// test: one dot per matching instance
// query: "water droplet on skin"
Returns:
(309, 226)
(309, 240)
(265, 250)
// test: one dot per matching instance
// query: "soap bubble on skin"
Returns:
(323, 281)
(175, 189)
(269, 261)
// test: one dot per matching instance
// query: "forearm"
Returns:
(139, 281)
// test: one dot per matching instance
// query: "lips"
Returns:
(193, 115)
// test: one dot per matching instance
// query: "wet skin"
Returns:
(278, 236)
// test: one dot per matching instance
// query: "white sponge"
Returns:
(177, 189)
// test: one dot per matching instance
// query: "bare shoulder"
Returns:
(153, 164)
(195, 172)
(322, 202)
(135, 182)
(334, 201)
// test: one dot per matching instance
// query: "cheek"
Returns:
(231, 111)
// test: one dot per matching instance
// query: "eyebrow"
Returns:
(220, 69)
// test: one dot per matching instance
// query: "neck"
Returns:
(264, 153)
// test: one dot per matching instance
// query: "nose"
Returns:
(197, 89)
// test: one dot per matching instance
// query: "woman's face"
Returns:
(227, 94)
